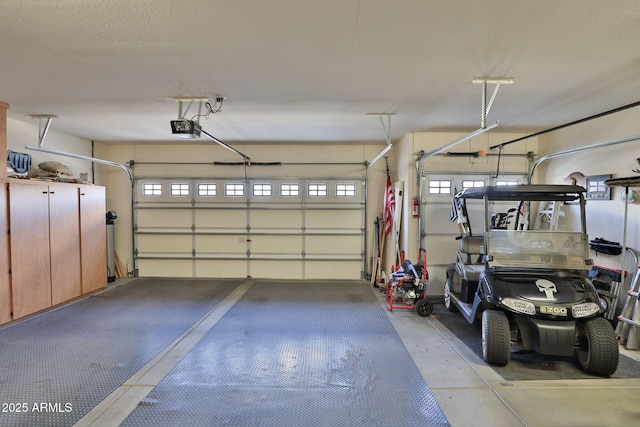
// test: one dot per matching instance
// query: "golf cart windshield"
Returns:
(537, 249)
(529, 226)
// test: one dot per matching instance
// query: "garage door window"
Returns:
(345, 190)
(317, 190)
(261, 190)
(207, 190)
(151, 189)
(472, 183)
(234, 190)
(290, 190)
(438, 186)
(179, 190)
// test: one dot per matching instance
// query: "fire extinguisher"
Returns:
(415, 208)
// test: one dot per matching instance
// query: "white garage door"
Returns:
(439, 233)
(287, 228)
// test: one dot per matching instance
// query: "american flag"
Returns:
(389, 207)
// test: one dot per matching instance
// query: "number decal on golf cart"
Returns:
(556, 311)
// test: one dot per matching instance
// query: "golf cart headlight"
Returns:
(519, 306)
(585, 309)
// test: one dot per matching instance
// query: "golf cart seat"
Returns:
(471, 258)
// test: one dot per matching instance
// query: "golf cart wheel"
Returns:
(597, 350)
(448, 302)
(496, 337)
(424, 307)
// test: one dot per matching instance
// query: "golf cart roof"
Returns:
(524, 192)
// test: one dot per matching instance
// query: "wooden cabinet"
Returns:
(52, 241)
(93, 237)
(5, 288)
(3, 138)
(57, 243)
(64, 242)
(29, 248)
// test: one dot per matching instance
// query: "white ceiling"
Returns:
(310, 70)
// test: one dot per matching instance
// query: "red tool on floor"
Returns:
(407, 287)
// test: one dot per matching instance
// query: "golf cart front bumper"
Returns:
(550, 337)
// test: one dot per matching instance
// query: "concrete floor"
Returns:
(472, 393)
(467, 391)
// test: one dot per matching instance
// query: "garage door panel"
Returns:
(165, 268)
(340, 270)
(221, 219)
(156, 243)
(221, 244)
(226, 268)
(333, 219)
(334, 245)
(441, 250)
(157, 218)
(286, 245)
(280, 269)
(276, 219)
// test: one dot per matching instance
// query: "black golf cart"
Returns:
(526, 275)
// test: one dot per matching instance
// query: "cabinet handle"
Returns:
(82, 194)
(52, 192)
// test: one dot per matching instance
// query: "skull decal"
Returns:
(547, 286)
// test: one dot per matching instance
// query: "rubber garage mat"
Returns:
(55, 367)
(295, 354)
(525, 364)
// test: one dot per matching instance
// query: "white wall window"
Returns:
(177, 189)
(207, 190)
(345, 190)
(506, 182)
(472, 183)
(151, 189)
(290, 190)
(234, 190)
(439, 186)
(317, 190)
(261, 190)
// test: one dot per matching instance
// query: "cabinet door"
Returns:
(5, 290)
(64, 241)
(29, 240)
(93, 237)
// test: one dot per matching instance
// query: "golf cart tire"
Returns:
(448, 301)
(598, 351)
(424, 307)
(496, 337)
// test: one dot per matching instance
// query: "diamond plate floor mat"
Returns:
(57, 366)
(295, 354)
